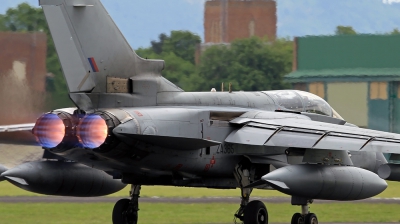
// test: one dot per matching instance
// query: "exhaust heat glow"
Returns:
(92, 131)
(49, 130)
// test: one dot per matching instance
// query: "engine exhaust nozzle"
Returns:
(49, 130)
(92, 131)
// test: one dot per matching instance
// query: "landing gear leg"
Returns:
(305, 217)
(253, 212)
(125, 210)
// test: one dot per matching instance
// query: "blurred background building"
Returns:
(22, 78)
(359, 76)
(228, 20)
(23, 55)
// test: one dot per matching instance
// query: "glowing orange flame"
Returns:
(92, 131)
(49, 130)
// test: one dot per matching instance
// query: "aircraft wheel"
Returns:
(311, 218)
(123, 213)
(255, 213)
(297, 218)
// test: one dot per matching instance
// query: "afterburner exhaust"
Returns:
(94, 131)
(49, 130)
(56, 130)
(61, 130)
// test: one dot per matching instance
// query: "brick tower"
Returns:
(227, 20)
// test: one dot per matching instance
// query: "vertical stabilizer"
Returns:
(94, 55)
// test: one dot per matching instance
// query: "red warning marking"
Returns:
(207, 167)
(139, 114)
(212, 161)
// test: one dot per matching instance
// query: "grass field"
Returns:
(7, 189)
(45, 213)
(189, 213)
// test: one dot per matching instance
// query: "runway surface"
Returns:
(50, 199)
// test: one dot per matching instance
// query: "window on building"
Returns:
(378, 91)
(398, 90)
(252, 27)
(317, 88)
(216, 36)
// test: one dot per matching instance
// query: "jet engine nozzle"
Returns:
(49, 130)
(94, 131)
(55, 131)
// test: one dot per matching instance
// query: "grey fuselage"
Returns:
(187, 115)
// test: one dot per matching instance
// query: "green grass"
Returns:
(7, 189)
(189, 213)
(189, 192)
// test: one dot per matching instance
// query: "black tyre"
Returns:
(297, 218)
(255, 213)
(311, 219)
(123, 213)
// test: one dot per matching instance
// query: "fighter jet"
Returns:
(133, 126)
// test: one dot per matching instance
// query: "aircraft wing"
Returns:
(309, 134)
(17, 127)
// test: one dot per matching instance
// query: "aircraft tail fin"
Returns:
(94, 55)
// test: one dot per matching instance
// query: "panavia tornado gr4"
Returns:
(132, 126)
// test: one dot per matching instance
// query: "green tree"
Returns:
(177, 70)
(345, 30)
(25, 18)
(395, 31)
(178, 52)
(181, 43)
(157, 46)
(249, 64)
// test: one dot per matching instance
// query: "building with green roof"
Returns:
(359, 76)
